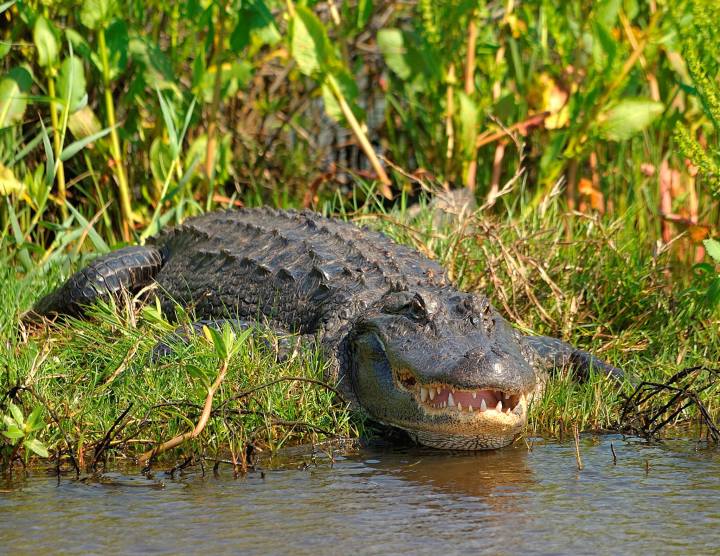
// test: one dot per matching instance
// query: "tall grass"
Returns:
(100, 391)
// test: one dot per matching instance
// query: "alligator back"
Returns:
(300, 271)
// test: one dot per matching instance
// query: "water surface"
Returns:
(656, 498)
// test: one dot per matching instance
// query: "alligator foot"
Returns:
(284, 347)
(127, 269)
(553, 354)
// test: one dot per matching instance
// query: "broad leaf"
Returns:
(95, 14)
(71, 83)
(198, 374)
(35, 421)
(254, 20)
(34, 445)
(7, 5)
(118, 43)
(628, 117)
(391, 43)
(606, 12)
(13, 432)
(16, 414)
(45, 42)
(712, 246)
(13, 88)
(84, 123)
(216, 338)
(309, 43)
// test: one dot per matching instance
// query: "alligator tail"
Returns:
(127, 269)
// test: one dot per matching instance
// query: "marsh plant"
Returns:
(584, 136)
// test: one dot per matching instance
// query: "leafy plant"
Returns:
(699, 48)
(22, 434)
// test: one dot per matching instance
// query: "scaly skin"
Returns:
(404, 345)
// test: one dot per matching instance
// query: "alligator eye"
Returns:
(407, 304)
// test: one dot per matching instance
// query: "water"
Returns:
(658, 498)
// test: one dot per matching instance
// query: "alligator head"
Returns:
(444, 366)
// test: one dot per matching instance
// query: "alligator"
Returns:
(404, 345)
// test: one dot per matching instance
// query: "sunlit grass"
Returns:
(602, 290)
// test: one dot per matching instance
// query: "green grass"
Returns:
(87, 374)
(603, 290)
(155, 133)
(594, 282)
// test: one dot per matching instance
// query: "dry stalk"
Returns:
(522, 127)
(471, 175)
(449, 130)
(361, 136)
(576, 435)
(122, 366)
(202, 422)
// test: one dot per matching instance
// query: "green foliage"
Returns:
(13, 88)
(87, 387)
(255, 69)
(44, 36)
(96, 14)
(699, 49)
(706, 272)
(628, 117)
(21, 433)
(71, 83)
(119, 118)
(708, 91)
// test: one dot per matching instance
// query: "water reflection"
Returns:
(389, 502)
(485, 475)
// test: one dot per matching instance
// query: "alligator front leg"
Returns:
(127, 269)
(553, 354)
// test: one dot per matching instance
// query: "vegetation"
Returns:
(587, 143)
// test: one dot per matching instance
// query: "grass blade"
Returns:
(19, 239)
(50, 156)
(97, 241)
(73, 148)
(169, 123)
(6, 5)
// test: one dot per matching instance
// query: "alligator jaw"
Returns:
(462, 418)
(437, 398)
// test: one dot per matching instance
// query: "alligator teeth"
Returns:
(474, 395)
(506, 396)
(423, 394)
(498, 407)
(439, 390)
(459, 406)
(483, 405)
(432, 393)
(451, 401)
(470, 409)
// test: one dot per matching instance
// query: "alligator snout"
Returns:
(491, 367)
